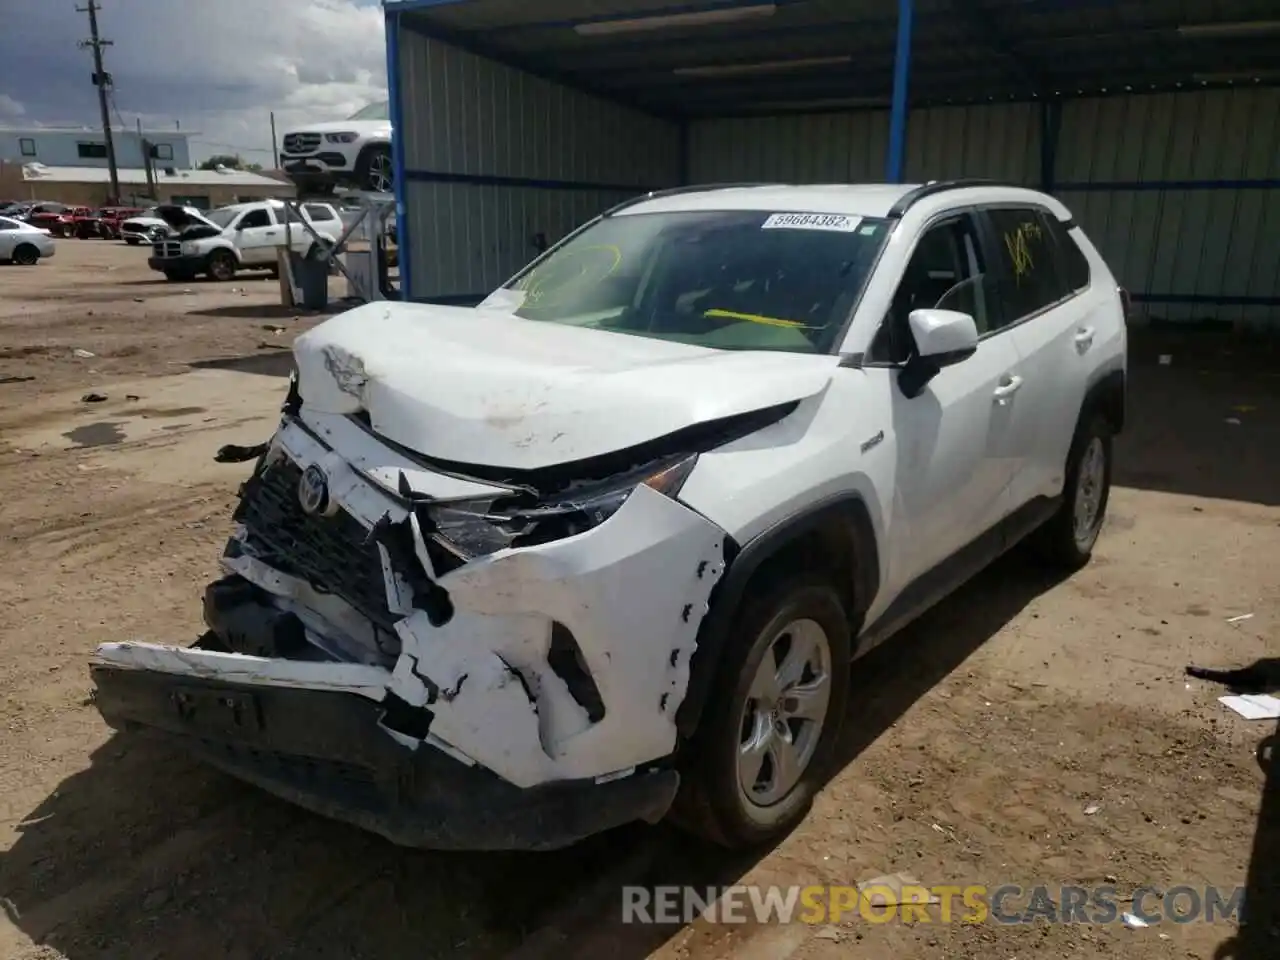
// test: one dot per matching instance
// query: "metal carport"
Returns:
(1157, 121)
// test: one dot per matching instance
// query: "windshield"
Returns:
(374, 111)
(730, 280)
(222, 217)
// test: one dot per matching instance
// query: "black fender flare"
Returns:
(1106, 396)
(844, 515)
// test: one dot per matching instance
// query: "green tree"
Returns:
(232, 161)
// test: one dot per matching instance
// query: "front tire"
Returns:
(374, 170)
(773, 718)
(1068, 539)
(222, 266)
(132, 241)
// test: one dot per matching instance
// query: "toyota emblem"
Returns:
(313, 491)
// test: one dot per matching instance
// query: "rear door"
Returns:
(1043, 287)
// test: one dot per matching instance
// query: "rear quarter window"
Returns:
(1072, 262)
(317, 213)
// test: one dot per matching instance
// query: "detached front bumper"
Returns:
(328, 753)
(541, 710)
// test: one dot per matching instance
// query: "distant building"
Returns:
(91, 186)
(87, 147)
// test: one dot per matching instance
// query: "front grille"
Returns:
(168, 248)
(333, 554)
(301, 142)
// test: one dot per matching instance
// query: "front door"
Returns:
(956, 453)
(257, 234)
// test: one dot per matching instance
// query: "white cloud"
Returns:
(215, 66)
(10, 109)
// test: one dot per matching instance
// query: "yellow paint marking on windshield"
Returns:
(539, 294)
(757, 318)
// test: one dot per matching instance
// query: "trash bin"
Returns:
(311, 274)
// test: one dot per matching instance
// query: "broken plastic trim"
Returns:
(567, 662)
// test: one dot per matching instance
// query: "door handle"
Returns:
(1008, 387)
(1084, 338)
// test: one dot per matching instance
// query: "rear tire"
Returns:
(773, 718)
(1068, 539)
(222, 266)
(25, 255)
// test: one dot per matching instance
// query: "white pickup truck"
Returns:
(243, 236)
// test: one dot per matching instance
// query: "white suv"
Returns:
(243, 236)
(355, 152)
(605, 547)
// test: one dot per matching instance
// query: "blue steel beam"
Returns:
(398, 166)
(895, 163)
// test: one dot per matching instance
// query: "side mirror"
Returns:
(942, 338)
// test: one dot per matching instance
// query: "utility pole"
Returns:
(145, 146)
(275, 150)
(102, 80)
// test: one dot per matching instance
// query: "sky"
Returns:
(217, 67)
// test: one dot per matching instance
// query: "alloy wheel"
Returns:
(785, 712)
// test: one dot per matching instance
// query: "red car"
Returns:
(59, 222)
(104, 223)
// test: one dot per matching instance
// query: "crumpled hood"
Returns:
(486, 388)
(182, 218)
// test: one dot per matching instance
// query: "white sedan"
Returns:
(22, 243)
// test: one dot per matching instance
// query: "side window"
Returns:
(317, 213)
(946, 272)
(1028, 258)
(28, 146)
(255, 218)
(1072, 262)
(6, 224)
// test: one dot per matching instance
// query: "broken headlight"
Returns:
(475, 528)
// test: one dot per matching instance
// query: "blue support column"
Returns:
(396, 113)
(898, 112)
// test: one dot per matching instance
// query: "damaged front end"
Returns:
(450, 660)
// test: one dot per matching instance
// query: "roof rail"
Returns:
(677, 191)
(938, 186)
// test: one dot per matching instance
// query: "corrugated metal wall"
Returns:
(1161, 184)
(1171, 187)
(494, 156)
(1000, 141)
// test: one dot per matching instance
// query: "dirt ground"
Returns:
(978, 745)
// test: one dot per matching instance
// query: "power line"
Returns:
(101, 80)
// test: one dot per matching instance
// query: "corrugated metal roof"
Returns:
(37, 173)
(724, 56)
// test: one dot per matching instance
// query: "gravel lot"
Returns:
(976, 742)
